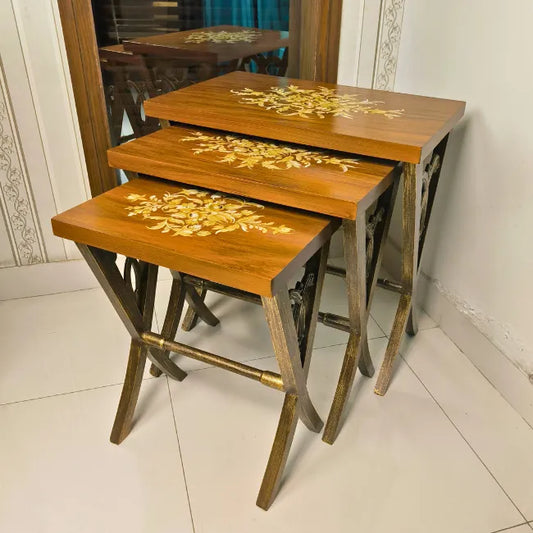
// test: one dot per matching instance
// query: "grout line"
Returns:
(377, 323)
(181, 457)
(83, 289)
(273, 356)
(68, 392)
(510, 527)
(464, 438)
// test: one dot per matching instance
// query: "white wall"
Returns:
(42, 167)
(479, 251)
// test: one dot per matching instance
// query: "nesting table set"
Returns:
(248, 179)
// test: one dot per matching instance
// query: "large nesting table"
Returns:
(409, 129)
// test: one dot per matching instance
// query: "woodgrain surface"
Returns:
(408, 137)
(248, 260)
(174, 45)
(321, 187)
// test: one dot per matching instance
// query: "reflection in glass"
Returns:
(150, 47)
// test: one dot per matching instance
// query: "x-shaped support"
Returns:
(133, 295)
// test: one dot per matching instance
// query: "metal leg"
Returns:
(420, 187)
(294, 358)
(363, 249)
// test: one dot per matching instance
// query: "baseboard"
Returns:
(52, 278)
(45, 278)
(512, 382)
(509, 380)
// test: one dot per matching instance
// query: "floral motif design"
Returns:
(306, 103)
(226, 37)
(15, 191)
(200, 213)
(247, 153)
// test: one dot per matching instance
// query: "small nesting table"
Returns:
(203, 233)
(408, 129)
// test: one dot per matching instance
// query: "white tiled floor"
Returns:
(441, 452)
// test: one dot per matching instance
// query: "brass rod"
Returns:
(390, 285)
(334, 321)
(270, 379)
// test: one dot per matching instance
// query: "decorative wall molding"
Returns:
(388, 44)
(16, 199)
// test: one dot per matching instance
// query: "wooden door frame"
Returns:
(314, 31)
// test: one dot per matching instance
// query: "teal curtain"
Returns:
(233, 12)
(263, 14)
(273, 14)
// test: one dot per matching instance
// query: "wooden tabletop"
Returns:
(399, 127)
(116, 53)
(332, 183)
(248, 246)
(214, 45)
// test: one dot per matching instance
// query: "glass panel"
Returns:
(149, 47)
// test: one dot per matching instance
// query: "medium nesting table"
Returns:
(360, 191)
(408, 129)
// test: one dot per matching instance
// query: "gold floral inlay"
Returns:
(227, 37)
(200, 213)
(306, 103)
(248, 153)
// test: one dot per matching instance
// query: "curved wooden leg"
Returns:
(170, 327)
(294, 359)
(283, 333)
(195, 299)
(344, 386)
(191, 316)
(385, 372)
(130, 392)
(365, 365)
(412, 191)
(355, 256)
(279, 453)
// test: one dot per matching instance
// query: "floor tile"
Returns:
(398, 464)
(243, 334)
(383, 310)
(60, 343)
(501, 438)
(60, 473)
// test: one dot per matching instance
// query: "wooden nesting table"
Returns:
(361, 191)
(211, 46)
(408, 129)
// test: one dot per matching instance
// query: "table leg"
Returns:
(420, 186)
(363, 249)
(294, 357)
(135, 308)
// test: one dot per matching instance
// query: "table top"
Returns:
(215, 44)
(116, 53)
(242, 244)
(395, 126)
(332, 183)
